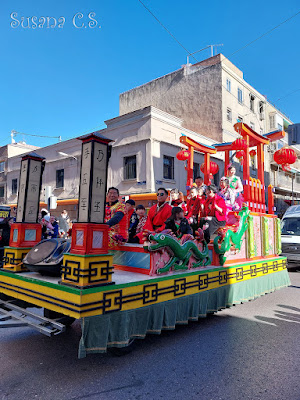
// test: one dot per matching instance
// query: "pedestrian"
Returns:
(64, 221)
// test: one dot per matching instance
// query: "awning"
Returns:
(286, 192)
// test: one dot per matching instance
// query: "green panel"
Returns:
(250, 236)
(278, 236)
(265, 230)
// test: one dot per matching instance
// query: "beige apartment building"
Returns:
(210, 97)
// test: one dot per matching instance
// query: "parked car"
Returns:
(290, 236)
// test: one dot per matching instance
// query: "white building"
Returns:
(6, 152)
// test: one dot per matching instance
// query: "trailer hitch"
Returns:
(13, 316)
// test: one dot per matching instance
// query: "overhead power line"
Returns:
(283, 97)
(266, 33)
(166, 29)
(29, 134)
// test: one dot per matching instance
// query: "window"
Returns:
(130, 167)
(196, 171)
(252, 98)
(240, 95)
(1, 191)
(279, 127)
(168, 167)
(240, 119)
(14, 186)
(60, 178)
(261, 109)
(229, 115)
(261, 131)
(252, 126)
(2, 166)
(272, 121)
(228, 85)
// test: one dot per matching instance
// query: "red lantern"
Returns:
(240, 154)
(252, 153)
(213, 167)
(239, 144)
(285, 156)
(183, 155)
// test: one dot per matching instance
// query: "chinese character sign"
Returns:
(33, 191)
(99, 183)
(29, 191)
(93, 177)
(85, 180)
(22, 190)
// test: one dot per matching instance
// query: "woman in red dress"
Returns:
(177, 200)
(194, 208)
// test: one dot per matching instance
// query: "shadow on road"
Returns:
(195, 361)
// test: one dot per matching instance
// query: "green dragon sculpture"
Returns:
(232, 238)
(181, 252)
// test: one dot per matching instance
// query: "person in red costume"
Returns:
(214, 213)
(177, 200)
(158, 214)
(116, 218)
(194, 208)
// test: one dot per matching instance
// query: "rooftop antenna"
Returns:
(204, 48)
(12, 133)
(212, 48)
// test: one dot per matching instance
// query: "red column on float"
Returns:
(206, 168)
(190, 168)
(226, 162)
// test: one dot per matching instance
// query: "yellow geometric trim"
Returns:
(112, 298)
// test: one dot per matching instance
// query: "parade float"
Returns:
(126, 291)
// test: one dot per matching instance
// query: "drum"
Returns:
(47, 256)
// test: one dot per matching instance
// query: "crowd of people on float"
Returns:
(207, 207)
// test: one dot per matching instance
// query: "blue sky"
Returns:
(66, 81)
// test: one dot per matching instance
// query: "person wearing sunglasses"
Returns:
(159, 213)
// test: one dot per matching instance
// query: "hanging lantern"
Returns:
(213, 168)
(240, 154)
(285, 156)
(239, 144)
(183, 155)
(252, 153)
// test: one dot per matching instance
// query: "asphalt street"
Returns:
(250, 351)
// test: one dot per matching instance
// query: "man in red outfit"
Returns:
(158, 214)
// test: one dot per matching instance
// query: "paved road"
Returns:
(250, 351)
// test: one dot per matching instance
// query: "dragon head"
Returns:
(161, 239)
